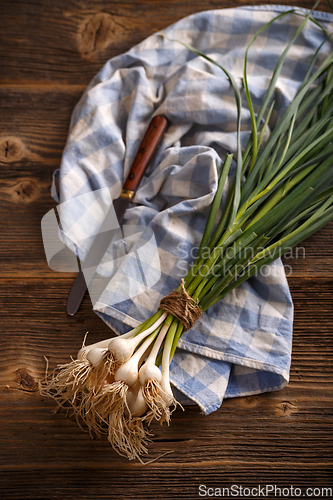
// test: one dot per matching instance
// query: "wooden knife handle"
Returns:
(148, 145)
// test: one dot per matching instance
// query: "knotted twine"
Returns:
(182, 306)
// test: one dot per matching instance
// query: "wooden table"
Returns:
(49, 53)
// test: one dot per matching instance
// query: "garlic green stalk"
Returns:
(123, 347)
(149, 370)
(156, 384)
(167, 394)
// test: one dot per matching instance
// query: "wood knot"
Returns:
(11, 149)
(286, 408)
(25, 380)
(252, 401)
(25, 191)
(97, 33)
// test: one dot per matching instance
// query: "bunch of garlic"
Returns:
(115, 386)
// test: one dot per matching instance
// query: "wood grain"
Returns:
(49, 53)
(69, 41)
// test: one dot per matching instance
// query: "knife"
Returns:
(102, 240)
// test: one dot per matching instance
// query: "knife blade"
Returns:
(102, 240)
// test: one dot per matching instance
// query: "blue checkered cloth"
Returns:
(242, 345)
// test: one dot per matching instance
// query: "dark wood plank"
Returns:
(34, 127)
(246, 442)
(266, 423)
(80, 481)
(69, 41)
